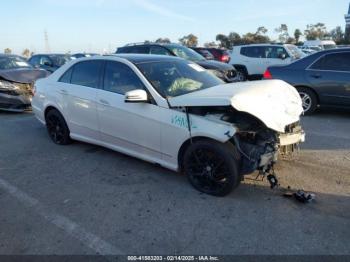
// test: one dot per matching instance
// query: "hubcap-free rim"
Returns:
(306, 101)
(55, 129)
(208, 170)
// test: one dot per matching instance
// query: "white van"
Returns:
(323, 44)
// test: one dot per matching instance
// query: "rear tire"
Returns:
(241, 74)
(212, 167)
(57, 128)
(309, 100)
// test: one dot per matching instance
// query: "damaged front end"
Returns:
(259, 146)
(15, 96)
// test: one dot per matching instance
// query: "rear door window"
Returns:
(87, 73)
(333, 62)
(254, 51)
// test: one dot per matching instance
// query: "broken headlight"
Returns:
(8, 88)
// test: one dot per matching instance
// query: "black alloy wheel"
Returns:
(212, 167)
(57, 128)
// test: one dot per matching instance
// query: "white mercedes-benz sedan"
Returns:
(174, 113)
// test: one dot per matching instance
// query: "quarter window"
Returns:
(87, 73)
(119, 78)
(333, 62)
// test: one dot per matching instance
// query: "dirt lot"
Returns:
(83, 199)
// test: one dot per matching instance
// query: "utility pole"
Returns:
(47, 46)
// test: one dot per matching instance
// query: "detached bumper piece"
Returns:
(289, 141)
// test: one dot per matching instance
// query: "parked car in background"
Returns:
(321, 79)
(172, 112)
(49, 62)
(221, 55)
(81, 55)
(203, 52)
(16, 82)
(311, 49)
(321, 44)
(252, 60)
(224, 71)
(306, 50)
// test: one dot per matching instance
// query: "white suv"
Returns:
(172, 112)
(253, 60)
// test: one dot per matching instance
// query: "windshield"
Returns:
(60, 60)
(175, 78)
(13, 62)
(295, 52)
(185, 53)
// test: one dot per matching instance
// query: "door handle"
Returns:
(64, 91)
(317, 76)
(104, 102)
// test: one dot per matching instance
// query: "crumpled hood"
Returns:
(276, 103)
(23, 75)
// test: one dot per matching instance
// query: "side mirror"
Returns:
(136, 96)
(282, 56)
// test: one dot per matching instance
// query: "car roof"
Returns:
(53, 54)
(334, 50)
(144, 58)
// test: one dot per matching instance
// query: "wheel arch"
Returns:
(297, 87)
(185, 145)
(243, 67)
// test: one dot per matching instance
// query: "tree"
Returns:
(163, 40)
(338, 35)
(224, 42)
(256, 38)
(316, 31)
(235, 39)
(26, 52)
(7, 51)
(190, 40)
(283, 35)
(297, 35)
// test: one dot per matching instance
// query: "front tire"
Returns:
(212, 167)
(309, 100)
(57, 128)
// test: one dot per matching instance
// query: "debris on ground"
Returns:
(300, 195)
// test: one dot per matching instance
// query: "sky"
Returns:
(103, 25)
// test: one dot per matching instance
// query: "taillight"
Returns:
(225, 58)
(267, 74)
